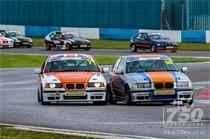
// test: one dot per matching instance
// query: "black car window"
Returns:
(58, 35)
(144, 35)
(138, 35)
(52, 34)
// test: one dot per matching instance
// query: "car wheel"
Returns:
(87, 48)
(29, 46)
(128, 96)
(188, 102)
(42, 100)
(38, 96)
(153, 48)
(47, 46)
(110, 96)
(133, 48)
(68, 46)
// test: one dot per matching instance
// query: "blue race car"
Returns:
(154, 42)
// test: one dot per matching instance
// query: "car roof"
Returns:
(150, 33)
(68, 56)
(147, 56)
(67, 32)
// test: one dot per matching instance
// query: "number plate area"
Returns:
(164, 92)
(75, 93)
(83, 45)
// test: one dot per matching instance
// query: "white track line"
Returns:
(77, 132)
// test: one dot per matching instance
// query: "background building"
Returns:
(130, 14)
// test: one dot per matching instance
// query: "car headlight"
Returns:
(16, 40)
(96, 84)
(53, 85)
(183, 84)
(143, 85)
(30, 40)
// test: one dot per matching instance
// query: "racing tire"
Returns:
(110, 97)
(41, 99)
(87, 48)
(189, 103)
(38, 97)
(68, 46)
(29, 46)
(47, 46)
(128, 96)
(153, 48)
(133, 48)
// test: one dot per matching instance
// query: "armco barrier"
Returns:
(89, 33)
(208, 36)
(39, 31)
(118, 34)
(13, 28)
(194, 36)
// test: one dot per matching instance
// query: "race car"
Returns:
(148, 78)
(3, 32)
(65, 41)
(6, 42)
(153, 42)
(19, 39)
(71, 78)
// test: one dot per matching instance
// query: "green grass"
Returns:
(20, 61)
(10, 133)
(123, 45)
(194, 46)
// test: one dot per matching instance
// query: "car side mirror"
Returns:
(119, 72)
(105, 70)
(37, 71)
(184, 69)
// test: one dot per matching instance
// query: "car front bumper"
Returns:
(149, 96)
(167, 48)
(21, 43)
(88, 96)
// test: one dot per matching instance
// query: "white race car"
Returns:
(6, 42)
(71, 78)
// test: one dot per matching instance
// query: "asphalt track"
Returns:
(41, 50)
(19, 106)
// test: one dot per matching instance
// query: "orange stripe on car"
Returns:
(159, 77)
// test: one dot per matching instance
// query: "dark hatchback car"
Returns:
(66, 41)
(19, 39)
(154, 42)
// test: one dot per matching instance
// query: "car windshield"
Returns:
(150, 65)
(70, 36)
(2, 33)
(157, 36)
(72, 65)
(13, 34)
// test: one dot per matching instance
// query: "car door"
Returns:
(118, 80)
(136, 40)
(57, 38)
(145, 41)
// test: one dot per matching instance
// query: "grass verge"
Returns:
(20, 61)
(123, 45)
(7, 132)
